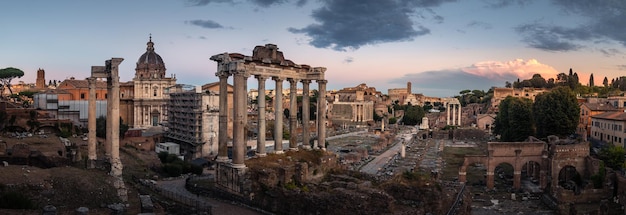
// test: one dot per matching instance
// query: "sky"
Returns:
(441, 46)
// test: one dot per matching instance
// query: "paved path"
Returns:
(381, 160)
(218, 207)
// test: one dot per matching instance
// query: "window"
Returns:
(82, 96)
(106, 96)
(155, 92)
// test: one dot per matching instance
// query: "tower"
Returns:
(408, 88)
(41, 79)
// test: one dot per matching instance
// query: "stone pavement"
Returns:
(218, 207)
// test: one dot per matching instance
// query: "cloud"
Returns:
(553, 38)
(605, 21)
(481, 25)
(621, 67)
(517, 68)
(481, 76)
(346, 24)
(610, 52)
(261, 3)
(205, 23)
(205, 2)
(505, 3)
(348, 60)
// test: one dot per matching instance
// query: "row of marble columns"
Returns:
(240, 116)
(454, 108)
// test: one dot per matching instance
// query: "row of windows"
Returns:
(82, 95)
(609, 138)
(613, 127)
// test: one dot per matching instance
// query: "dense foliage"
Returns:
(174, 166)
(514, 121)
(613, 156)
(556, 112)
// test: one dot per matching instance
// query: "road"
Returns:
(381, 160)
(218, 207)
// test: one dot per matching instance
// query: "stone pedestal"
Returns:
(231, 177)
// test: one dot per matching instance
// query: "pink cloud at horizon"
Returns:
(496, 70)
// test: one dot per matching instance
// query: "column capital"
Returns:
(222, 74)
(293, 81)
(321, 81)
(305, 81)
(243, 73)
(277, 79)
(260, 77)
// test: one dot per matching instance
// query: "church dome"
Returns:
(150, 64)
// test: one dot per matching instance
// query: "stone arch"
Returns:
(471, 160)
(570, 179)
(504, 174)
(48, 129)
(531, 171)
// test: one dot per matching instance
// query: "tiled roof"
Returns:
(600, 107)
(619, 116)
(81, 84)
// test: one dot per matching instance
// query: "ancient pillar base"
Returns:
(222, 159)
(260, 155)
(91, 163)
(122, 192)
(306, 147)
(293, 149)
(231, 177)
(116, 167)
(279, 152)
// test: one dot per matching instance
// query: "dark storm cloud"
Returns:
(553, 38)
(204, 23)
(605, 22)
(346, 24)
(449, 82)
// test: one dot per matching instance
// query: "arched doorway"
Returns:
(503, 176)
(476, 175)
(570, 179)
(531, 172)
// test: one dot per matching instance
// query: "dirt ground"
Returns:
(71, 187)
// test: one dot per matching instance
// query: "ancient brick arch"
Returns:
(514, 153)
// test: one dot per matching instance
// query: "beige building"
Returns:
(587, 110)
(150, 92)
(609, 127)
(500, 94)
(354, 105)
(486, 122)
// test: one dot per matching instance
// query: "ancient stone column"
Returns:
(278, 115)
(293, 114)
(222, 151)
(91, 122)
(109, 120)
(239, 105)
(517, 179)
(447, 113)
(321, 114)
(490, 180)
(260, 145)
(460, 108)
(453, 106)
(114, 82)
(305, 113)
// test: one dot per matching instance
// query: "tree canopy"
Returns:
(7, 75)
(514, 121)
(556, 112)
